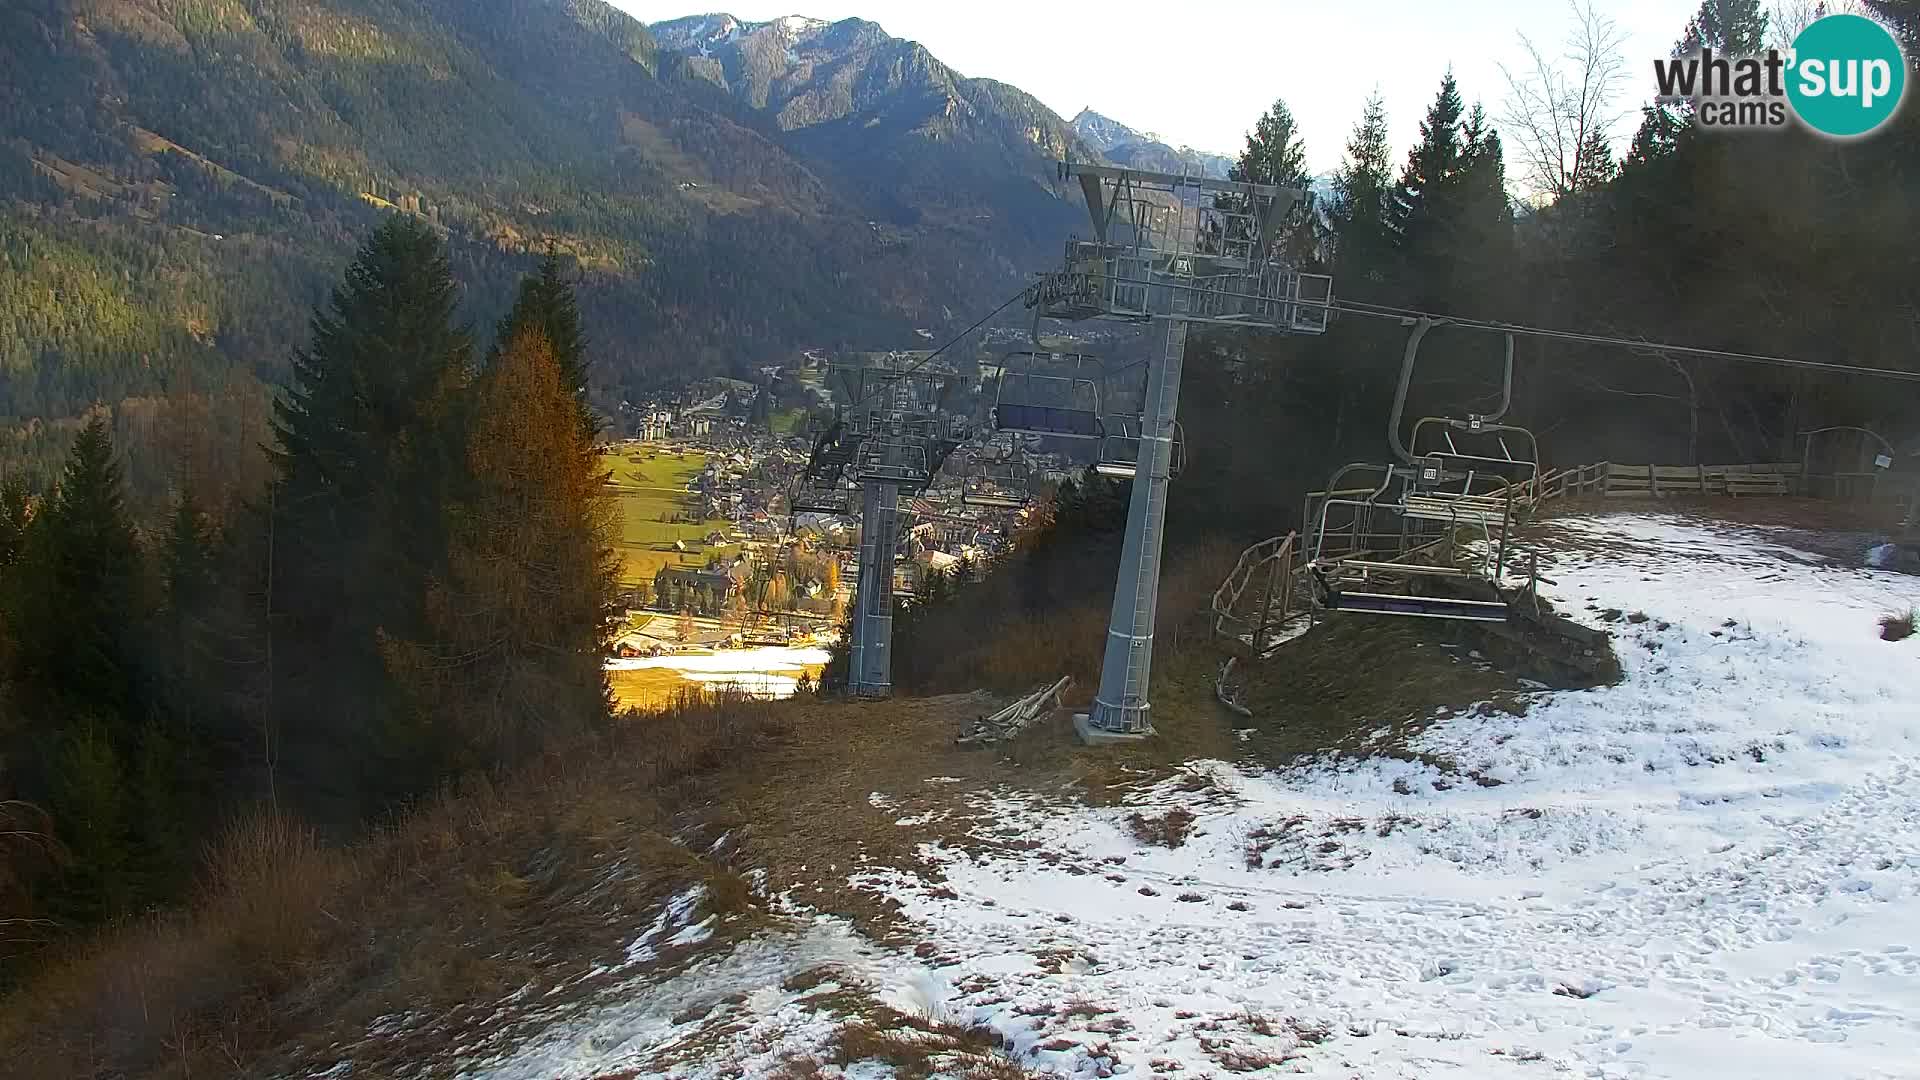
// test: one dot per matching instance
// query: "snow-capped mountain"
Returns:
(1143, 149)
(922, 143)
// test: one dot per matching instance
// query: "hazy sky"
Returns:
(1200, 73)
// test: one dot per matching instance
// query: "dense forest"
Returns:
(419, 588)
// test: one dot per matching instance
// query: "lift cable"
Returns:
(1382, 311)
(895, 377)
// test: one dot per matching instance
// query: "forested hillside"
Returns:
(178, 178)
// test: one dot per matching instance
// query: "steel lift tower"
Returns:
(893, 438)
(1172, 251)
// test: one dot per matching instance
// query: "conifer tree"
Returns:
(519, 623)
(546, 303)
(1903, 18)
(1275, 154)
(367, 456)
(16, 508)
(74, 602)
(1728, 27)
(78, 594)
(1431, 167)
(1362, 197)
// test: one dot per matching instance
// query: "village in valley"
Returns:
(726, 583)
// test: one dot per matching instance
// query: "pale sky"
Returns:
(1200, 74)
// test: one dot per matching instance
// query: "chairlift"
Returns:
(1120, 451)
(1063, 405)
(998, 485)
(1379, 549)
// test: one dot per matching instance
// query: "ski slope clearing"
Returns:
(1710, 869)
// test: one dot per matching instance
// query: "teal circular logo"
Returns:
(1848, 75)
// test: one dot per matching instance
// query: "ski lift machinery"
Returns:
(1378, 548)
(894, 438)
(1169, 251)
(1067, 402)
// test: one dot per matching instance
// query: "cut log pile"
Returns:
(1015, 718)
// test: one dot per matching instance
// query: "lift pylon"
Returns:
(1171, 250)
(893, 437)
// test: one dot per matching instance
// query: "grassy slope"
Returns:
(647, 490)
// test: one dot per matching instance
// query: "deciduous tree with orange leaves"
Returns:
(518, 627)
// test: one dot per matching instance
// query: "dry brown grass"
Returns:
(916, 1048)
(1897, 627)
(979, 647)
(292, 947)
(1169, 830)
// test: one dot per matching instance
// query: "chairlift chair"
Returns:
(997, 485)
(1436, 491)
(1065, 406)
(1120, 450)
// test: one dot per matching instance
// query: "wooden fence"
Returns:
(1611, 479)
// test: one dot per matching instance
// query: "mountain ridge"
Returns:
(250, 146)
(1126, 145)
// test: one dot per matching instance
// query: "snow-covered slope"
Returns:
(1711, 869)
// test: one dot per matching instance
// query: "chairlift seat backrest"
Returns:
(1506, 468)
(1047, 420)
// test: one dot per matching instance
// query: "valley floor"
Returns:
(1710, 869)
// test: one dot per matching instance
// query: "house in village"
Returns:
(681, 588)
(637, 644)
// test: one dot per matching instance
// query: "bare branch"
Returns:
(1786, 18)
(1561, 111)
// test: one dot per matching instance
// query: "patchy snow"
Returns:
(727, 661)
(1710, 869)
(771, 673)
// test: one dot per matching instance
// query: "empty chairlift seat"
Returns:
(996, 485)
(1054, 394)
(1385, 588)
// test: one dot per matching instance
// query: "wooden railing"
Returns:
(1611, 479)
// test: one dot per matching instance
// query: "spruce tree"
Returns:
(367, 455)
(78, 592)
(1362, 193)
(1728, 27)
(1431, 165)
(16, 508)
(1274, 153)
(546, 303)
(1481, 235)
(1903, 18)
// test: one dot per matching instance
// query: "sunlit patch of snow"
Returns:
(673, 913)
(728, 661)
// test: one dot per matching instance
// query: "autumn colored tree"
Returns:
(546, 304)
(518, 625)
